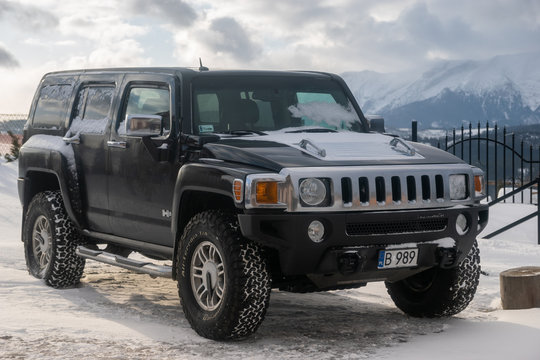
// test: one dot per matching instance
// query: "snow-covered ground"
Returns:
(118, 314)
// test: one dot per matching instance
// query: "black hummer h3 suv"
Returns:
(245, 181)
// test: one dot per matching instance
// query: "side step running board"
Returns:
(123, 262)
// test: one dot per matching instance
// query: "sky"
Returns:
(37, 37)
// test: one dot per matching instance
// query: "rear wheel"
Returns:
(50, 241)
(223, 280)
(438, 292)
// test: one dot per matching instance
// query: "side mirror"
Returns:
(376, 123)
(143, 125)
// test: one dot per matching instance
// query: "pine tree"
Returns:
(14, 149)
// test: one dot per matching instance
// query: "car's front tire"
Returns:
(50, 241)
(438, 292)
(223, 281)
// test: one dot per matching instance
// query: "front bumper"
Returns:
(364, 233)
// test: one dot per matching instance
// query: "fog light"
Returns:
(462, 224)
(316, 231)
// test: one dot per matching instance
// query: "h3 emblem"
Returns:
(166, 213)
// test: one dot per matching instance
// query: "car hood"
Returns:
(280, 149)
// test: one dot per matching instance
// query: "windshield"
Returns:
(246, 105)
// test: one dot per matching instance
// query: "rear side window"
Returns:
(92, 110)
(52, 106)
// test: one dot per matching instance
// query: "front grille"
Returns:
(377, 187)
(397, 227)
(394, 190)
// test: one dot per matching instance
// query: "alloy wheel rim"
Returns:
(207, 276)
(41, 242)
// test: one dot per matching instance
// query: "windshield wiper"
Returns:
(243, 132)
(314, 130)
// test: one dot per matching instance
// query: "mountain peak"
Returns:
(502, 81)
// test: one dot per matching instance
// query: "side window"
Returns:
(148, 101)
(52, 105)
(92, 109)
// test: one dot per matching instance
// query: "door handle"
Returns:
(72, 140)
(117, 144)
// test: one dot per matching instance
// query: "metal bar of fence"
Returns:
(521, 169)
(530, 170)
(515, 223)
(522, 220)
(496, 163)
(462, 154)
(478, 142)
(513, 165)
(470, 143)
(520, 189)
(504, 161)
(454, 141)
(487, 158)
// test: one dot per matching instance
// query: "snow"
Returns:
(118, 314)
(87, 126)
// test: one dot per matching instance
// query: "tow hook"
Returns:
(348, 262)
(448, 257)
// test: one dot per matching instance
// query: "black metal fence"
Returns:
(507, 163)
(510, 166)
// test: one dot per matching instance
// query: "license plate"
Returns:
(397, 258)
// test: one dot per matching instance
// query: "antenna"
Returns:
(201, 67)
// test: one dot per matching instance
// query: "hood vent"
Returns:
(309, 145)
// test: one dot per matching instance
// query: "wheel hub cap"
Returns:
(207, 276)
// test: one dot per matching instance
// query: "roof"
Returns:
(186, 72)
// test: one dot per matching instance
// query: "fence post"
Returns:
(414, 131)
(538, 209)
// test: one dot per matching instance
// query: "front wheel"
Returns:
(50, 241)
(223, 281)
(438, 292)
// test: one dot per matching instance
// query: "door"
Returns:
(141, 183)
(88, 133)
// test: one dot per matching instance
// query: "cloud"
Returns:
(227, 36)
(28, 17)
(174, 12)
(390, 35)
(7, 60)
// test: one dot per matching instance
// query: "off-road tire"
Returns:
(63, 268)
(247, 283)
(438, 292)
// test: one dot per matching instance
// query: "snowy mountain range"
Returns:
(504, 90)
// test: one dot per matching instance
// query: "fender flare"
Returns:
(198, 178)
(34, 161)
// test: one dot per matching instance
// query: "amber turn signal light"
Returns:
(479, 184)
(238, 190)
(267, 192)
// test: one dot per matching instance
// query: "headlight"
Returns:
(458, 187)
(312, 192)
